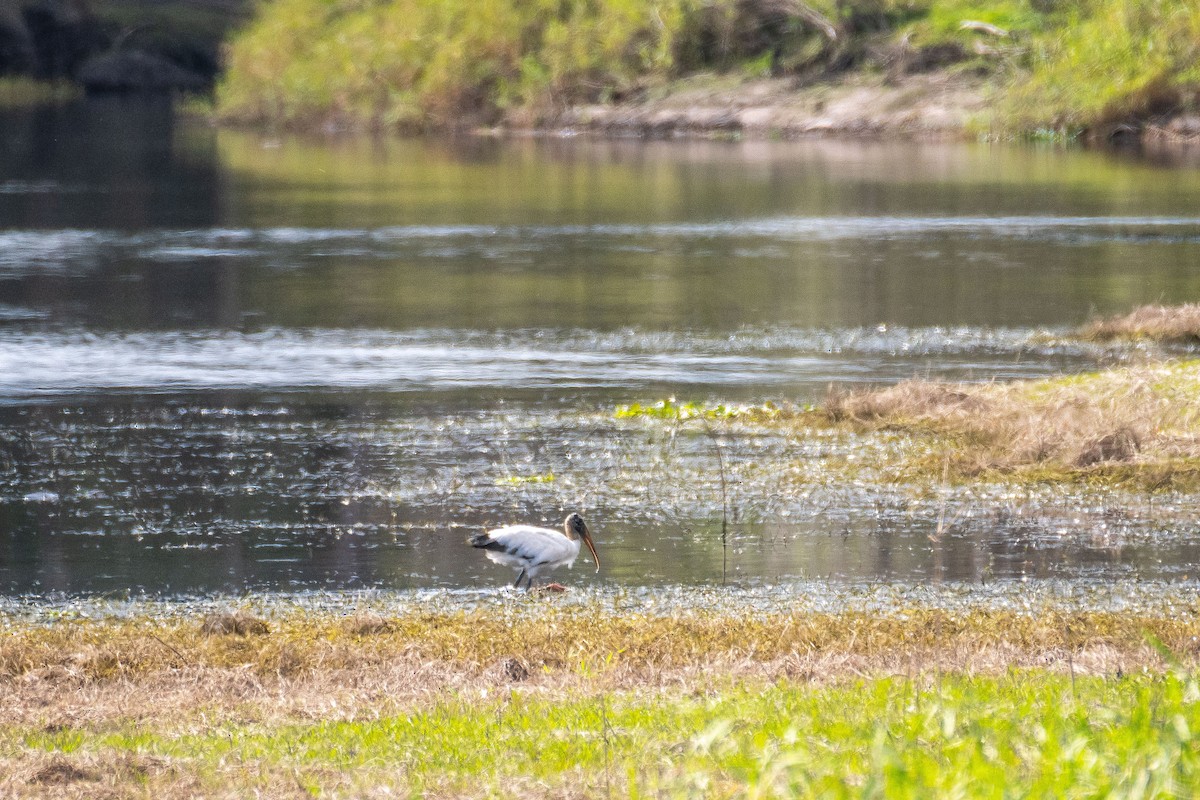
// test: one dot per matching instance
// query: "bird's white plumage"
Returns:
(533, 549)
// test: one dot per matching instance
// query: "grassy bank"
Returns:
(1030, 734)
(1158, 324)
(531, 698)
(1135, 427)
(1106, 63)
(409, 64)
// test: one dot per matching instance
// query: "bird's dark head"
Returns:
(576, 528)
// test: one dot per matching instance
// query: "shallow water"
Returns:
(231, 362)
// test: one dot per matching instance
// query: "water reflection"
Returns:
(231, 362)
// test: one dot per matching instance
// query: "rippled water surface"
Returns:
(233, 362)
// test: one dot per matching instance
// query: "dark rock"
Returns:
(16, 49)
(1120, 445)
(137, 71)
(61, 36)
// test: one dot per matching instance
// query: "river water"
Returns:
(235, 361)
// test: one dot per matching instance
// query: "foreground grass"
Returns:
(528, 698)
(1056, 69)
(571, 640)
(1019, 734)
(533, 699)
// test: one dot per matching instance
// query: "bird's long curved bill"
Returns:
(588, 541)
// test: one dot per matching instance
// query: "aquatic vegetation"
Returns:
(521, 480)
(623, 646)
(1134, 426)
(672, 409)
(1157, 323)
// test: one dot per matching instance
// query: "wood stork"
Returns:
(535, 550)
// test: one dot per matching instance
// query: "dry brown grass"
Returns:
(175, 678)
(75, 775)
(1138, 425)
(67, 673)
(1170, 324)
(238, 622)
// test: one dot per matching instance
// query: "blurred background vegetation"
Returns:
(1054, 67)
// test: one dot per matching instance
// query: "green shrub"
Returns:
(417, 63)
(1110, 61)
(1069, 64)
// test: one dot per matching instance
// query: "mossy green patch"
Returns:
(672, 409)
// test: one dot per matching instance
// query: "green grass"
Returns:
(1057, 69)
(531, 698)
(412, 64)
(416, 64)
(945, 17)
(1020, 734)
(1109, 61)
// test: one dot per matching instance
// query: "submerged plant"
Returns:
(671, 409)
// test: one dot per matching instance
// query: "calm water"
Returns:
(234, 362)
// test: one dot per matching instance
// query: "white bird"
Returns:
(534, 550)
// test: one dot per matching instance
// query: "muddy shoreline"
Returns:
(940, 105)
(933, 106)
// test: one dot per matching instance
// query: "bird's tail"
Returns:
(479, 540)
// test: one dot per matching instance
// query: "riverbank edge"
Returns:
(935, 106)
(938, 106)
